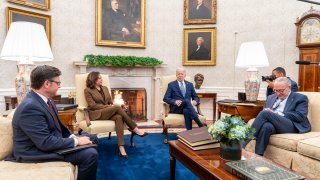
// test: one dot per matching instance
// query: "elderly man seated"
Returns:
(284, 112)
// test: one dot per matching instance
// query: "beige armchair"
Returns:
(97, 126)
(169, 119)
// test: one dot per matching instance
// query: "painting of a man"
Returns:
(199, 10)
(120, 25)
(200, 52)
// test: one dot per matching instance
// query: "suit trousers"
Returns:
(190, 113)
(268, 123)
(87, 161)
(119, 116)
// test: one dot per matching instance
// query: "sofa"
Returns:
(299, 152)
(28, 171)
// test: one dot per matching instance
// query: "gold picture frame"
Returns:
(199, 46)
(205, 13)
(40, 4)
(121, 25)
(14, 15)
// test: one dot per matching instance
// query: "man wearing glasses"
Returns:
(38, 132)
(284, 112)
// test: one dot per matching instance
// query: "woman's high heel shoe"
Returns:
(124, 156)
(144, 134)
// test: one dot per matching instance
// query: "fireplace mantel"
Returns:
(134, 71)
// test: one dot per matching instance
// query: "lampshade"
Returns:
(252, 54)
(26, 41)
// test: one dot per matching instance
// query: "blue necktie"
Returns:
(183, 90)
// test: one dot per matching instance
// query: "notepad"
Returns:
(74, 149)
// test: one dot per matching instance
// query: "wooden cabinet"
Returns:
(309, 74)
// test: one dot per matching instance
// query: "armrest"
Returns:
(85, 111)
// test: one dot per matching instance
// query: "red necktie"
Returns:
(53, 113)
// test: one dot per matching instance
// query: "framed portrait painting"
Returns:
(199, 46)
(40, 4)
(14, 15)
(200, 11)
(120, 23)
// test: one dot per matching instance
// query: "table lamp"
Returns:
(26, 43)
(252, 55)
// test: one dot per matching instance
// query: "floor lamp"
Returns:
(252, 55)
(26, 43)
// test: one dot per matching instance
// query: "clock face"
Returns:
(310, 31)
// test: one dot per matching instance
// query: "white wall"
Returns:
(73, 36)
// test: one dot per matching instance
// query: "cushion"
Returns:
(6, 143)
(290, 141)
(306, 166)
(178, 119)
(32, 171)
(98, 126)
(314, 116)
(310, 147)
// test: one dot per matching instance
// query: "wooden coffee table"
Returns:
(206, 164)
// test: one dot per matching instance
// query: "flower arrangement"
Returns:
(229, 129)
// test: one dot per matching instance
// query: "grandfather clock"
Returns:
(308, 42)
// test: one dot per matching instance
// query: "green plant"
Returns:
(101, 60)
(231, 128)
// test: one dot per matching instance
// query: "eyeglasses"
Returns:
(279, 90)
(57, 82)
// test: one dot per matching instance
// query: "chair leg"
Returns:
(163, 126)
(132, 145)
(109, 136)
(80, 131)
(165, 130)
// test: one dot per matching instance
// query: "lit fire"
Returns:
(118, 98)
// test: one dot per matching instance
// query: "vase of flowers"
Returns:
(230, 131)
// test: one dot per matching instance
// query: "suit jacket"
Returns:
(96, 103)
(294, 88)
(35, 131)
(201, 13)
(174, 93)
(296, 109)
(201, 54)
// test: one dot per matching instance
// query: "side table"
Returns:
(247, 110)
(13, 101)
(68, 117)
(209, 95)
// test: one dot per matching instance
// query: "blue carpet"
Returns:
(149, 160)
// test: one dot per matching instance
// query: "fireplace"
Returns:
(132, 100)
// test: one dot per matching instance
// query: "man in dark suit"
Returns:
(200, 11)
(179, 95)
(38, 132)
(284, 112)
(280, 72)
(119, 25)
(201, 53)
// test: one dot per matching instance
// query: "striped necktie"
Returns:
(276, 104)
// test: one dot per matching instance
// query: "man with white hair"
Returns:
(284, 112)
(201, 52)
(182, 97)
(119, 24)
(200, 11)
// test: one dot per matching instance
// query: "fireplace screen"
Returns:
(132, 100)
